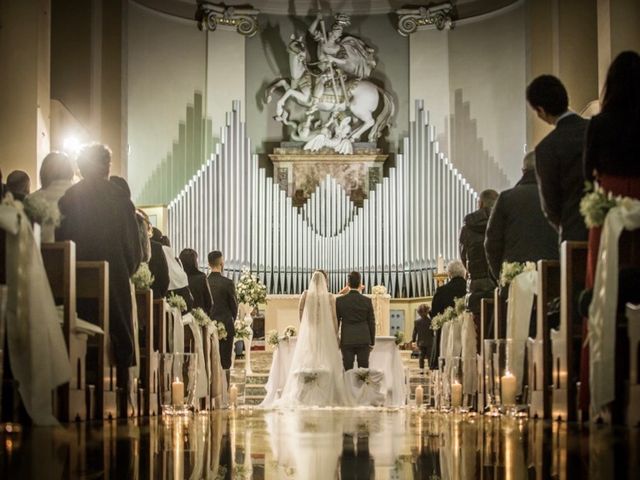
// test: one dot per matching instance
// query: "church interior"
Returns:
(192, 190)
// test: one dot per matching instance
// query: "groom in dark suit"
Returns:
(357, 324)
(225, 305)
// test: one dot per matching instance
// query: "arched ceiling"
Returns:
(465, 8)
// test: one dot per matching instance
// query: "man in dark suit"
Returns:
(225, 304)
(559, 157)
(97, 214)
(357, 324)
(423, 336)
(517, 230)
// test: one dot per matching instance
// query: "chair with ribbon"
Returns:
(365, 386)
(486, 319)
(539, 361)
(149, 355)
(194, 343)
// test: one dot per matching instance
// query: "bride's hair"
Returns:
(326, 277)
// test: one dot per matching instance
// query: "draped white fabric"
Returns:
(316, 353)
(365, 386)
(602, 311)
(177, 332)
(386, 358)
(280, 366)
(37, 350)
(469, 352)
(522, 291)
(202, 383)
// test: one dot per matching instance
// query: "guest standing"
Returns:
(559, 157)
(612, 158)
(225, 304)
(158, 267)
(197, 280)
(100, 218)
(178, 279)
(480, 284)
(517, 229)
(423, 335)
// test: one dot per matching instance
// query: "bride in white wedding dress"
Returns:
(316, 376)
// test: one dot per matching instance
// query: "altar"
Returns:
(283, 310)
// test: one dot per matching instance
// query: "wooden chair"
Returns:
(573, 266)
(540, 346)
(633, 400)
(92, 283)
(60, 263)
(499, 315)
(161, 316)
(148, 354)
(486, 318)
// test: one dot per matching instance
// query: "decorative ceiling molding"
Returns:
(442, 16)
(244, 19)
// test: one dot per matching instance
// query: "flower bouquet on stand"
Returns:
(251, 293)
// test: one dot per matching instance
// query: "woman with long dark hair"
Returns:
(612, 158)
(197, 280)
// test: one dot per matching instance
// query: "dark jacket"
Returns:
(518, 230)
(159, 269)
(560, 176)
(472, 243)
(200, 290)
(611, 147)
(446, 295)
(422, 333)
(100, 218)
(356, 319)
(225, 304)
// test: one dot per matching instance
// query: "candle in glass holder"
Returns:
(419, 395)
(456, 394)
(177, 393)
(508, 388)
(233, 394)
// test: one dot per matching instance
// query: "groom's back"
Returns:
(355, 315)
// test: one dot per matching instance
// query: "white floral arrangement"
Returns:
(459, 306)
(511, 270)
(363, 375)
(243, 329)
(309, 376)
(176, 301)
(273, 338)
(289, 332)
(250, 290)
(439, 320)
(596, 203)
(143, 278)
(201, 318)
(399, 337)
(40, 211)
(222, 330)
(379, 290)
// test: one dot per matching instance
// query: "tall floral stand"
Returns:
(244, 313)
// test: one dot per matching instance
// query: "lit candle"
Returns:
(456, 394)
(233, 395)
(419, 395)
(177, 393)
(508, 388)
(440, 265)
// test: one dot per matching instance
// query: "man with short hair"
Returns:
(559, 157)
(517, 229)
(356, 323)
(480, 283)
(423, 335)
(99, 217)
(225, 304)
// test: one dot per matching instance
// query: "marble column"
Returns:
(24, 85)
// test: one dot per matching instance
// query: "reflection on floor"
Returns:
(322, 444)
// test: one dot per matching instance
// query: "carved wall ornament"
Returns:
(244, 19)
(442, 16)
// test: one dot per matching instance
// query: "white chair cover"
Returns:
(367, 392)
(202, 383)
(37, 350)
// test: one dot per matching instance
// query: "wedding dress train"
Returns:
(316, 376)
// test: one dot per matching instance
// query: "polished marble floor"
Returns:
(322, 444)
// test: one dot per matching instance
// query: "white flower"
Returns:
(379, 290)
(272, 338)
(289, 332)
(142, 279)
(222, 330)
(177, 301)
(201, 318)
(41, 211)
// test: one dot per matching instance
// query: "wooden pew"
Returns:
(499, 314)
(486, 319)
(92, 283)
(161, 317)
(573, 266)
(60, 263)
(633, 398)
(148, 354)
(540, 346)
